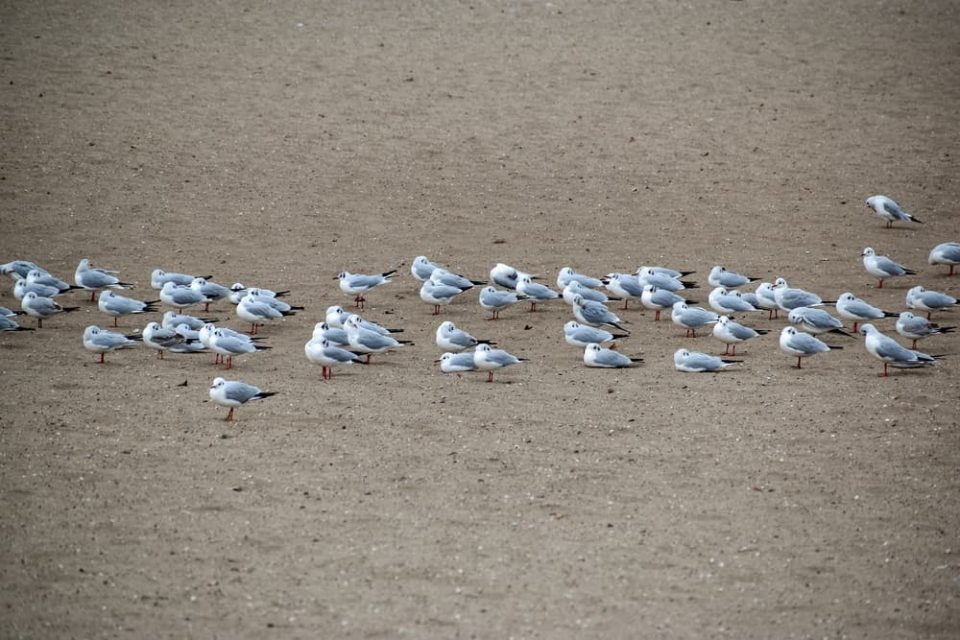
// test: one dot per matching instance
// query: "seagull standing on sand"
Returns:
(947, 253)
(233, 393)
(891, 352)
(357, 284)
(889, 210)
(802, 345)
(883, 267)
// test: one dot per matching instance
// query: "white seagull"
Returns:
(889, 210)
(947, 253)
(450, 338)
(596, 356)
(42, 308)
(357, 284)
(929, 301)
(918, 328)
(802, 345)
(93, 280)
(891, 352)
(698, 362)
(101, 341)
(733, 333)
(486, 358)
(853, 308)
(233, 393)
(328, 356)
(883, 267)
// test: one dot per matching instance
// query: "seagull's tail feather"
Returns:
(265, 394)
(841, 332)
(689, 284)
(69, 309)
(624, 329)
(620, 336)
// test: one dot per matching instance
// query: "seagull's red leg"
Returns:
(490, 376)
(229, 417)
(656, 316)
(101, 357)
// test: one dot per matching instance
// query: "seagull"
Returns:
(947, 253)
(22, 286)
(697, 362)
(438, 294)
(456, 362)
(100, 340)
(506, 276)
(624, 286)
(647, 275)
(366, 341)
(692, 318)
(450, 338)
(733, 333)
(211, 291)
(889, 210)
(657, 299)
(42, 308)
(574, 289)
(534, 291)
(233, 393)
(497, 300)
(159, 277)
(596, 356)
(327, 356)
(767, 299)
(257, 312)
(853, 308)
(568, 275)
(578, 335)
(372, 326)
(721, 277)
(892, 352)
(206, 334)
(816, 321)
(729, 302)
(450, 279)
(36, 276)
(166, 339)
(929, 301)
(115, 305)
(595, 314)
(883, 267)
(486, 358)
(238, 290)
(8, 324)
(172, 319)
(229, 344)
(335, 316)
(91, 279)
(357, 284)
(666, 271)
(918, 328)
(802, 345)
(179, 296)
(21, 268)
(790, 298)
(421, 268)
(336, 336)
(9, 313)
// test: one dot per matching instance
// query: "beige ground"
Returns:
(280, 142)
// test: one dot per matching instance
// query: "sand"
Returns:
(279, 143)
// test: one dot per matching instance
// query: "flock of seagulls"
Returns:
(346, 339)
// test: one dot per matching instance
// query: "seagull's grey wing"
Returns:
(373, 340)
(697, 360)
(741, 332)
(894, 210)
(807, 344)
(338, 336)
(609, 358)
(916, 325)
(462, 339)
(821, 319)
(501, 357)
(889, 349)
(240, 391)
(464, 361)
(937, 299)
(95, 279)
(862, 309)
(340, 355)
(234, 344)
(364, 281)
(887, 265)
